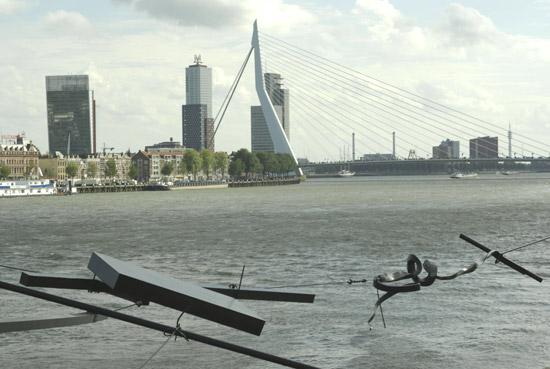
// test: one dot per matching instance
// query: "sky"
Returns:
(488, 58)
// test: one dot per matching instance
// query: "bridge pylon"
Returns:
(281, 143)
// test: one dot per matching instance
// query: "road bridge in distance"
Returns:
(429, 166)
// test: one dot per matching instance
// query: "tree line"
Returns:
(193, 162)
(244, 163)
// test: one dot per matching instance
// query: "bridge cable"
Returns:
(416, 118)
(381, 84)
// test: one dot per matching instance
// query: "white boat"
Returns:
(509, 172)
(459, 175)
(344, 173)
(40, 187)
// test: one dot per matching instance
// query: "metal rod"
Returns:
(498, 256)
(381, 311)
(155, 326)
(240, 282)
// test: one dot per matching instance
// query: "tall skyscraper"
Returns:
(68, 105)
(279, 96)
(197, 120)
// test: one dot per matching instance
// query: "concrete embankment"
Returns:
(200, 186)
(188, 186)
(267, 182)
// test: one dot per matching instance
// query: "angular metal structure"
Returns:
(280, 141)
(93, 285)
(129, 279)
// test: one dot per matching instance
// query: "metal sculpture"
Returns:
(143, 286)
(387, 282)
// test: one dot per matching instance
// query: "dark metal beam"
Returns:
(155, 326)
(263, 294)
(72, 283)
(94, 285)
(500, 258)
(130, 279)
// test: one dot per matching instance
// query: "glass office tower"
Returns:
(68, 105)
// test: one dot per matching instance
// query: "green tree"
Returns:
(244, 156)
(193, 162)
(71, 169)
(182, 168)
(5, 171)
(91, 169)
(286, 164)
(167, 168)
(207, 161)
(263, 157)
(221, 161)
(132, 172)
(255, 166)
(236, 168)
(110, 168)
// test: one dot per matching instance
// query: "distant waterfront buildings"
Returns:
(166, 145)
(91, 167)
(260, 137)
(149, 163)
(197, 120)
(484, 148)
(20, 157)
(377, 157)
(446, 150)
(68, 108)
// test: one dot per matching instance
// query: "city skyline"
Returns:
(137, 69)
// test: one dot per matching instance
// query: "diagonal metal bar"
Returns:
(155, 326)
(499, 257)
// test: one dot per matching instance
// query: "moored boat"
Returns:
(20, 188)
(344, 173)
(459, 175)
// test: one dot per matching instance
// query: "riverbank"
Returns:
(189, 185)
(265, 182)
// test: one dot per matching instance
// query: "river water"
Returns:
(322, 231)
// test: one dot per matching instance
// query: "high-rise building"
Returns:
(279, 96)
(198, 128)
(197, 121)
(261, 138)
(484, 148)
(198, 85)
(68, 105)
(446, 150)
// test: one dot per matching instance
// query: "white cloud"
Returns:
(468, 27)
(223, 13)
(209, 13)
(9, 7)
(67, 23)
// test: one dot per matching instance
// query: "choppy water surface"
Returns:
(321, 231)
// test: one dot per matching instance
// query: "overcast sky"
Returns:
(488, 58)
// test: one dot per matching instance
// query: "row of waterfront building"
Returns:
(22, 159)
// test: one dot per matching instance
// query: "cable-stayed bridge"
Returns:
(331, 103)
